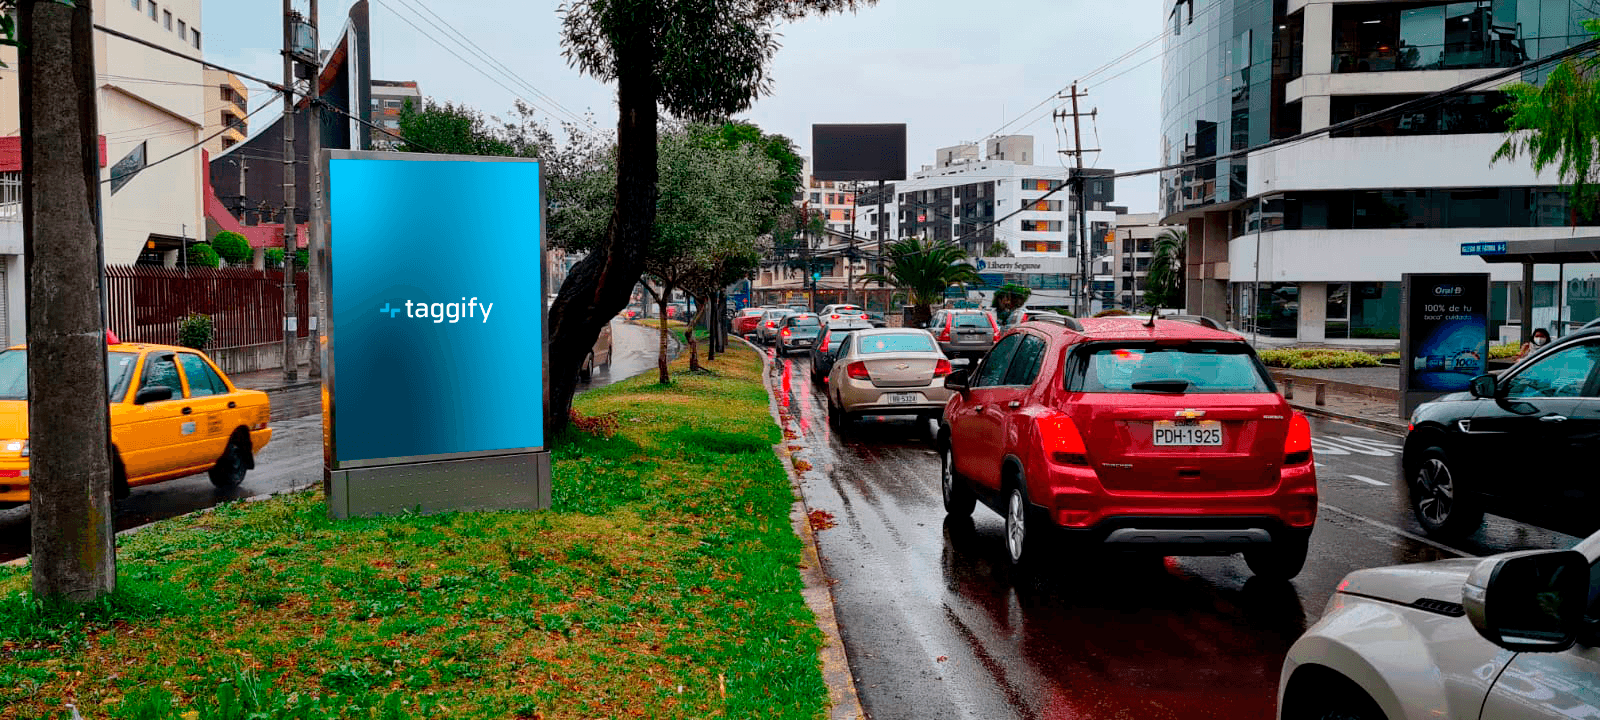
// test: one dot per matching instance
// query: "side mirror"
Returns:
(153, 393)
(957, 379)
(1485, 386)
(1529, 601)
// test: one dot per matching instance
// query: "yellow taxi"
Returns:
(173, 413)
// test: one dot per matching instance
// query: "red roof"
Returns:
(11, 153)
(265, 235)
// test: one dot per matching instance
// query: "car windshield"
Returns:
(14, 374)
(977, 320)
(902, 342)
(805, 321)
(1188, 368)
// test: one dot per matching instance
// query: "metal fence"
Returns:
(147, 304)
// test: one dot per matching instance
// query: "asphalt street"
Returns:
(293, 460)
(935, 624)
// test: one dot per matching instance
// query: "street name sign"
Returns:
(1483, 248)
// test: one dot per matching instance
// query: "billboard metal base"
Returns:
(503, 482)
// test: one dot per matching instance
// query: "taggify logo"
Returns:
(439, 312)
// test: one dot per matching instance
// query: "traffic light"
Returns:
(816, 276)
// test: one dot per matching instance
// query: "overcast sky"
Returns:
(953, 70)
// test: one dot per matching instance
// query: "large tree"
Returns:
(696, 59)
(1558, 125)
(924, 269)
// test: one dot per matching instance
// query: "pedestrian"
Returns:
(1541, 337)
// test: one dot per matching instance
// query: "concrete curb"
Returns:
(844, 703)
(1375, 424)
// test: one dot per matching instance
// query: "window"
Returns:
(1150, 368)
(1041, 226)
(970, 320)
(196, 34)
(816, 198)
(183, 30)
(136, 4)
(152, 11)
(166, 19)
(228, 142)
(1563, 373)
(995, 364)
(203, 381)
(1041, 246)
(906, 342)
(227, 94)
(1025, 366)
(1041, 205)
(14, 374)
(161, 371)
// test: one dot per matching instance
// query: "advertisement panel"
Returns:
(859, 151)
(434, 375)
(1444, 334)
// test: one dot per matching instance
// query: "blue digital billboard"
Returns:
(436, 307)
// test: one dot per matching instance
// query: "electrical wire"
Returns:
(118, 33)
(495, 63)
(147, 166)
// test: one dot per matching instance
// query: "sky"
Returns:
(954, 71)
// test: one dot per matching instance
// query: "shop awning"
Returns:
(1542, 252)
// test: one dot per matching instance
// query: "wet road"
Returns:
(936, 625)
(293, 460)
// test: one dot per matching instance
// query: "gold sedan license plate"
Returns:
(905, 398)
(1204, 432)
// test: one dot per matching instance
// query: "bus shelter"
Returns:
(1529, 253)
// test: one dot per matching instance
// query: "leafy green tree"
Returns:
(274, 258)
(202, 255)
(1558, 125)
(232, 246)
(998, 248)
(924, 269)
(1009, 297)
(449, 129)
(697, 59)
(1164, 285)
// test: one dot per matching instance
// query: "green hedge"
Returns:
(1316, 358)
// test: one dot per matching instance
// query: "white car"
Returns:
(1514, 636)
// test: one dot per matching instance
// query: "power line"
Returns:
(118, 33)
(495, 63)
(180, 152)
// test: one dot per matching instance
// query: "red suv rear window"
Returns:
(1197, 367)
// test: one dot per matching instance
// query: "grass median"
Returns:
(663, 583)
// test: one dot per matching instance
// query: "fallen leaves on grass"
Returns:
(821, 519)
(603, 425)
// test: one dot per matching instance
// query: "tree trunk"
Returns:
(711, 329)
(694, 345)
(599, 285)
(661, 356)
(68, 410)
(922, 315)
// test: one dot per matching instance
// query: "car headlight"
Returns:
(17, 446)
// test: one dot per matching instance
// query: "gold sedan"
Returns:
(887, 371)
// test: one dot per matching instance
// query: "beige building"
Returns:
(150, 105)
(227, 103)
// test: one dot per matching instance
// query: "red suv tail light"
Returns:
(786, 332)
(857, 370)
(941, 368)
(1297, 447)
(1062, 442)
(825, 339)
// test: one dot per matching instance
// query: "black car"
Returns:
(1522, 445)
(796, 332)
(823, 353)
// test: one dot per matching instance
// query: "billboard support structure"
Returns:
(1444, 335)
(431, 403)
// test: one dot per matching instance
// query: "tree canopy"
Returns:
(1558, 125)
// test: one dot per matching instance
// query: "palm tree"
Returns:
(1164, 286)
(925, 269)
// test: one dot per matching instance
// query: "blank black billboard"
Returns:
(858, 152)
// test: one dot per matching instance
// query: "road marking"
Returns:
(1395, 530)
(1369, 481)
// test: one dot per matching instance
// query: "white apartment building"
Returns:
(1310, 240)
(150, 105)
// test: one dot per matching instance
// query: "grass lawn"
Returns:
(662, 584)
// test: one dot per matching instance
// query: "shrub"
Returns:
(274, 258)
(1500, 352)
(202, 255)
(196, 331)
(1316, 358)
(1112, 312)
(232, 247)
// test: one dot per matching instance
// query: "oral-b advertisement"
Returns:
(437, 307)
(1449, 328)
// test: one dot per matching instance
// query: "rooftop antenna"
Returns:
(1153, 310)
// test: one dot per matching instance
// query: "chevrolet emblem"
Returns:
(902, 366)
(1189, 414)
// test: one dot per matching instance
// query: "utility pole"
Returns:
(850, 255)
(880, 250)
(1081, 197)
(291, 361)
(69, 441)
(318, 239)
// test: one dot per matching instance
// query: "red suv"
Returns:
(1170, 438)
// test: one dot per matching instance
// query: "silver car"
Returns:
(887, 371)
(767, 329)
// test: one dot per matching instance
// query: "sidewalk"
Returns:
(1364, 396)
(271, 379)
